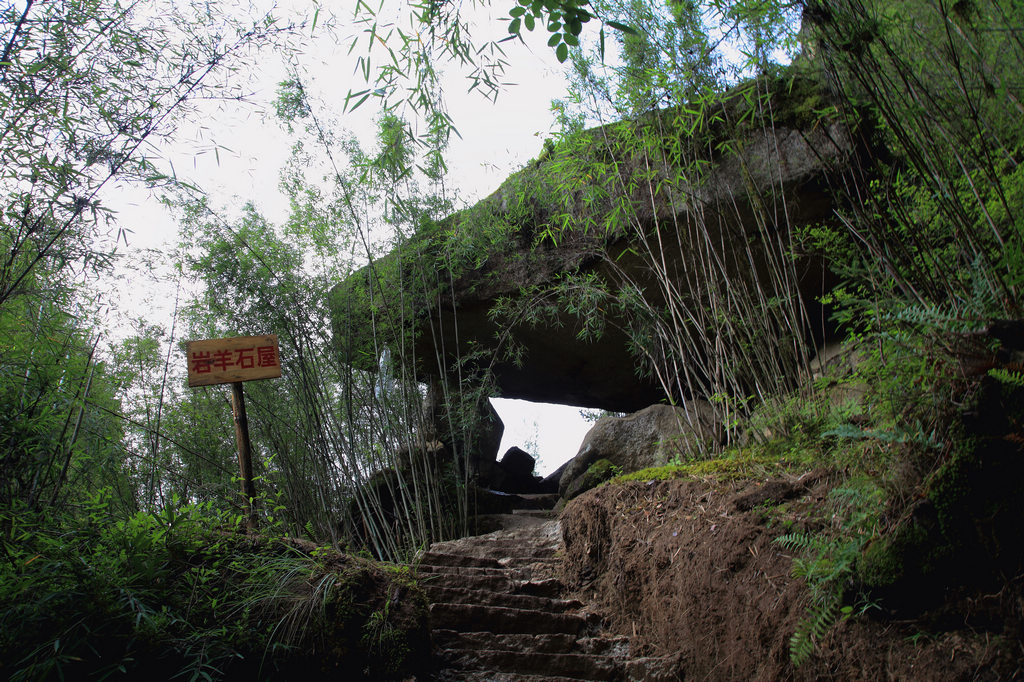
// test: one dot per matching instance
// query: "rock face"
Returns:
(773, 178)
(651, 437)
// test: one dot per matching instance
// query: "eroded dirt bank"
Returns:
(690, 567)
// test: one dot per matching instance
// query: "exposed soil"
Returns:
(689, 568)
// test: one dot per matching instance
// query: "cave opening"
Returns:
(552, 433)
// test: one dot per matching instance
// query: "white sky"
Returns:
(235, 154)
(552, 433)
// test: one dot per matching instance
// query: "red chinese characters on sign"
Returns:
(266, 356)
(243, 358)
(199, 363)
(216, 361)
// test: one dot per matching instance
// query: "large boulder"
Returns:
(759, 178)
(513, 473)
(653, 436)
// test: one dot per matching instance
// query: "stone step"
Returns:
(636, 670)
(504, 620)
(498, 582)
(551, 588)
(536, 571)
(468, 570)
(491, 676)
(545, 587)
(536, 513)
(543, 643)
(511, 523)
(497, 612)
(493, 548)
(548, 500)
(517, 545)
(502, 558)
(436, 558)
(572, 666)
(522, 528)
(529, 560)
(530, 564)
(465, 595)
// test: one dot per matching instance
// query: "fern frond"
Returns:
(800, 541)
(812, 629)
(1008, 377)
(916, 434)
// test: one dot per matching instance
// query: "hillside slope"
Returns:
(692, 568)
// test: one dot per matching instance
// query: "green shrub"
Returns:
(182, 592)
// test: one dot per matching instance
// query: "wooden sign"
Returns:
(232, 361)
(227, 361)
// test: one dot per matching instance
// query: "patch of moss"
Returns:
(725, 466)
(597, 473)
(737, 464)
(600, 471)
(963, 532)
(377, 622)
(733, 464)
(979, 506)
(663, 473)
(883, 562)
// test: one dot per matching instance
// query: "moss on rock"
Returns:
(597, 473)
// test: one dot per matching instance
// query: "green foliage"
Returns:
(399, 62)
(59, 425)
(395, 156)
(597, 473)
(951, 162)
(916, 435)
(387, 643)
(348, 414)
(1013, 378)
(291, 104)
(564, 20)
(907, 550)
(828, 560)
(93, 596)
(929, 244)
(662, 473)
(84, 87)
(736, 463)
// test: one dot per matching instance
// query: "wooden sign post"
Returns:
(232, 361)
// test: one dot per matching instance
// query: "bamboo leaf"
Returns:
(625, 28)
(360, 102)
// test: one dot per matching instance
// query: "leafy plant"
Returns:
(828, 561)
(1010, 377)
(180, 587)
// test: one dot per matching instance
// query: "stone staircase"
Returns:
(498, 614)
